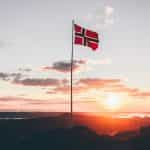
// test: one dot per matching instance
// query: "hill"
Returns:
(58, 133)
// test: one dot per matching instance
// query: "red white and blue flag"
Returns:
(86, 37)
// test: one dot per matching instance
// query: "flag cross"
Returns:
(86, 37)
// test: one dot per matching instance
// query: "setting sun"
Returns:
(112, 102)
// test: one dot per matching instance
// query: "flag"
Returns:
(86, 37)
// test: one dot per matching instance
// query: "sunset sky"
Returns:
(35, 48)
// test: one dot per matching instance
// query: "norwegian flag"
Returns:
(86, 37)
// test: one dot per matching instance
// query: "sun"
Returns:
(112, 102)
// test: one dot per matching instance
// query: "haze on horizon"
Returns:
(35, 47)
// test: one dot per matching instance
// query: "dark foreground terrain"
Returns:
(56, 133)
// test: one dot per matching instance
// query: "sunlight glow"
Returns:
(112, 102)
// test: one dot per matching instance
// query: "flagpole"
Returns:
(71, 75)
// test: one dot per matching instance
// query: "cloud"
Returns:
(104, 61)
(84, 85)
(3, 76)
(133, 92)
(109, 11)
(121, 88)
(101, 18)
(10, 76)
(12, 103)
(18, 78)
(107, 85)
(40, 82)
(78, 65)
(37, 101)
(11, 98)
(5, 43)
(25, 69)
(65, 66)
(2, 44)
(105, 16)
(80, 86)
(140, 94)
(66, 89)
(28, 104)
(97, 82)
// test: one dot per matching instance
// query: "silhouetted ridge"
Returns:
(58, 133)
(74, 138)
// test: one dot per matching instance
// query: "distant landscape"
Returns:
(88, 131)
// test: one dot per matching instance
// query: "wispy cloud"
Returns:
(19, 79)
(140, 94)
(104, 61)
(84, 85)
(66, 89)
(81, 85)
(107, 85)
(5, 43)
(65, 66)
(25, 69)
(10, 76)
(40, 82)
(130, 91)
(2, 44)
(101, 17)
(98, 82)
(12, 103)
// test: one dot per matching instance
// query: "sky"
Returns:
(35, 50)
